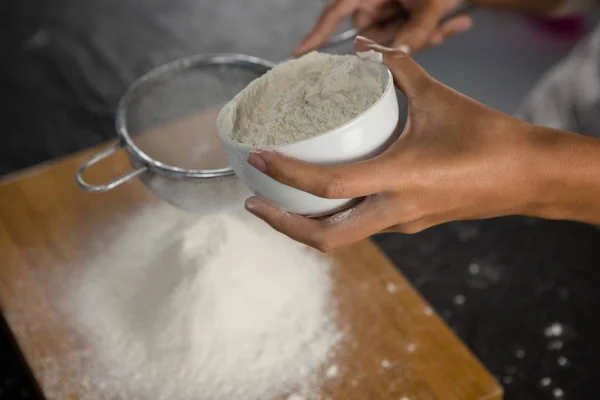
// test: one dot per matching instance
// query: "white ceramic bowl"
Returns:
(363, 137)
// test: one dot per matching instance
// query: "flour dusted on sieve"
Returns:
(302, 98)
(216, 308)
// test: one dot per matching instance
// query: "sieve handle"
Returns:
(110, 185)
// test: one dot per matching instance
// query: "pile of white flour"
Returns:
(218, 308)
(302, 98)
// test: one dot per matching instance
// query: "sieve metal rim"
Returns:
(180, 64)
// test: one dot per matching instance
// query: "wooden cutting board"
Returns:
(49, 228)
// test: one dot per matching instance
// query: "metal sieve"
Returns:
(166, 123)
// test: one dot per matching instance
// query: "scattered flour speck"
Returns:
(391, 288)
(459, 299)
(474, 268)
(411, 348)
(386, 364)
(520, 353)
(545, 382)
(554, 330)
(332, 371)
(427, 311)
(558, 393)
(555, 345)
(563, 361)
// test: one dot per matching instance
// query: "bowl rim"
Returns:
(248, 147)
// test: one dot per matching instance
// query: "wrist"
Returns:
(564, 176)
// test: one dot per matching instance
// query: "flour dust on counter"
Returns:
(216, 308)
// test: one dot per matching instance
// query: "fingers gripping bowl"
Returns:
(363, 137)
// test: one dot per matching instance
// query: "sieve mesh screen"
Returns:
(171, 116)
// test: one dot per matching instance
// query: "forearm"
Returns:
(567, 175)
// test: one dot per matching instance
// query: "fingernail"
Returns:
(257, 161)
(370, 55)
(468, 24)
(251, 204)
(465, 28)
(404, 48)
(363, 39)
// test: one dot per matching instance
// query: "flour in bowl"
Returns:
(302, 98)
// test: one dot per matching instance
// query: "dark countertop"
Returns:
(499, 283)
